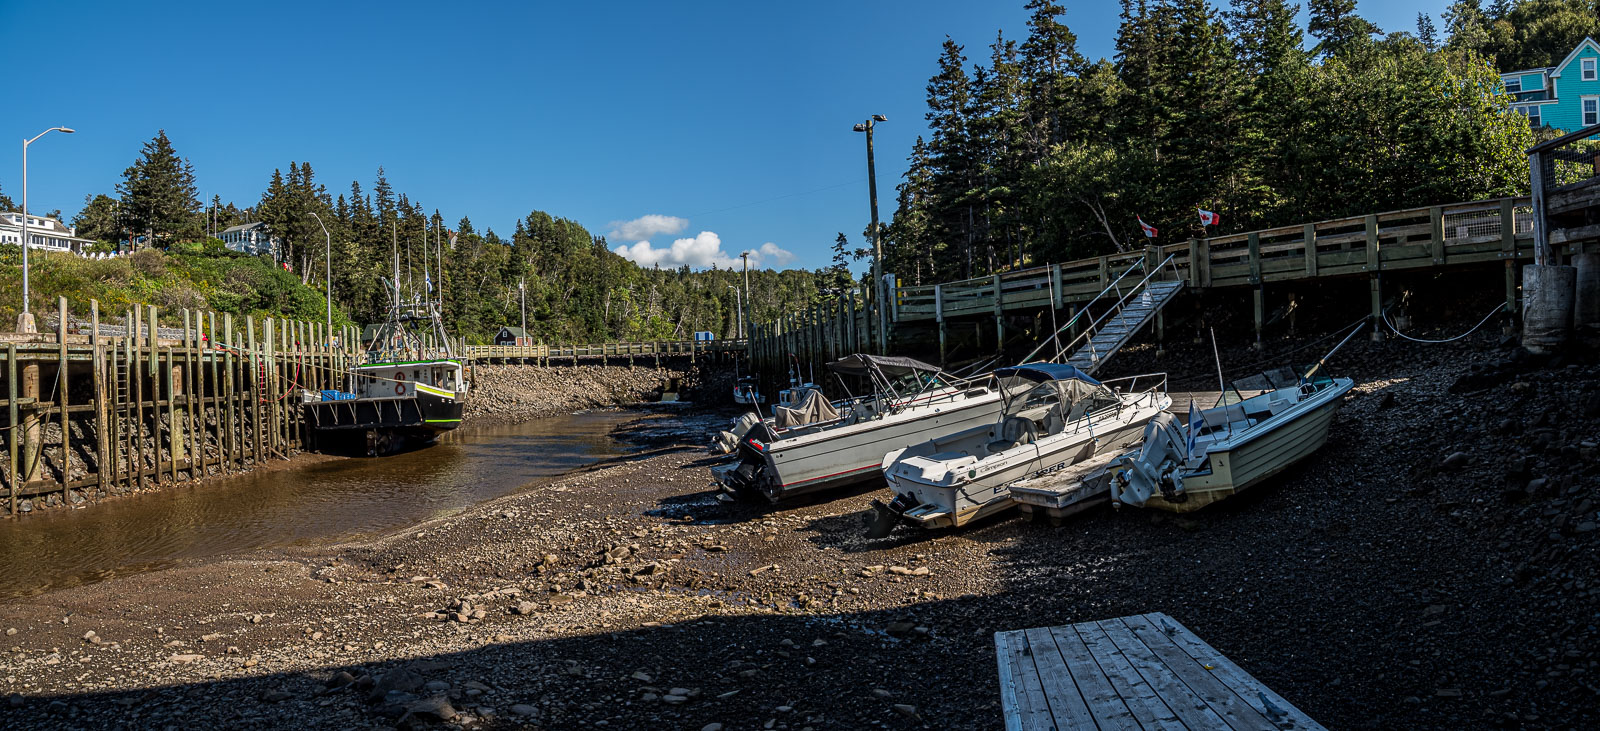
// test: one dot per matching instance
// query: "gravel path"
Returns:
(1432, 568)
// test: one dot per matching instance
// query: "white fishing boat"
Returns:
(1054, 417)
(814, 444)
(1229, 448)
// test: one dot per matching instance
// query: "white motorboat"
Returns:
(747, 392)
(1054, 417)
(1228, 448)
(813, 444)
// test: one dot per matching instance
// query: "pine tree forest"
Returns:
(1037, 154)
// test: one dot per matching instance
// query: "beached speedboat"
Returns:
(813, 444)
(1054, 417)
(1228, 448)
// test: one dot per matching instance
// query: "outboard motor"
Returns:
(1155, 468)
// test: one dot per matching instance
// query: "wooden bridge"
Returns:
(543, 354)
(1436, 238)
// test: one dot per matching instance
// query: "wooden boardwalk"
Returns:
(543, 353)
(1138, 672)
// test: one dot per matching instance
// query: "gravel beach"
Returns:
(1432, 568)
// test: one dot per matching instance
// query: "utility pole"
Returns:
(745, 255)
(738, 302)
(522, 293)
(877, 247)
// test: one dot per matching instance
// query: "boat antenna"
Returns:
(1222, 387)
(1336, 348)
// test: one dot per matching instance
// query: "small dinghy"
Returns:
(1054, 417)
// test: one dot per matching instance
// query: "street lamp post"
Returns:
(25, 320)
(739, 302)
(877, 248)
(327, 266)
(522, 295)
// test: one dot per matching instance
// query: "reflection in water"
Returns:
(329, 501)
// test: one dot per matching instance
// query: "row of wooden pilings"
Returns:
(118, 408)
(823, 332)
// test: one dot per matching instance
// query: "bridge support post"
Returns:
(938, 314)
(1376, 286)
(1161, 334)
(1258, 296)
(999, 319)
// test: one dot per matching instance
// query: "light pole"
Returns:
(328, 265)
(522, 294)
(25, 320)
(877, 249)
(739, 302)
(745, 255)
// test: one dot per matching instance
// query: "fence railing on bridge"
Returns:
(543, 353)
(1433, 237)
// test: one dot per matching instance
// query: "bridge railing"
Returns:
(545, 351)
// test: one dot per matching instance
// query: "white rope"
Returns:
(1474, 329)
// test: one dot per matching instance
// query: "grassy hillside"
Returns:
(195, 276)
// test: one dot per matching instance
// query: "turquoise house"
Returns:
(1565, 96)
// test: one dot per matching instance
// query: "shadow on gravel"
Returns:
(839, 670)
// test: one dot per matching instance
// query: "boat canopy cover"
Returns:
(860, 364)
(1041, 372)
(809, 409)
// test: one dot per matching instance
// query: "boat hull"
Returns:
(853, 454)
(929, 505)
(384, 424)
(1236, 469)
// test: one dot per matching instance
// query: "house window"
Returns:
(1588, 69)
(1514, 86)
(1591, 110)
(1532, 113)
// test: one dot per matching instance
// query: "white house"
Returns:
(250, 238)
(43, 233)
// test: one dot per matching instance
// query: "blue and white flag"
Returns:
(427, 281)
(1194, 428)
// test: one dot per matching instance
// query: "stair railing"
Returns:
(1082, 312)
(1095, 325)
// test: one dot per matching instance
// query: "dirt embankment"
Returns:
(507, 394)
(1433, 567)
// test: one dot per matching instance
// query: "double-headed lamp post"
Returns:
(327, 267)
(877, 248)
(25, 320)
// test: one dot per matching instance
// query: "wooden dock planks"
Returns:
(1137, 672)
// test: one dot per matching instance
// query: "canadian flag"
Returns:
(1149, 231)
(1207, 218)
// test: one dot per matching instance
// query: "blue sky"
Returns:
(729, 123)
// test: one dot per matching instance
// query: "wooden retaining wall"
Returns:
(97, 408)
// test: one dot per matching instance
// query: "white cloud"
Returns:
(645, 227)
(700, 252)
(779, 257)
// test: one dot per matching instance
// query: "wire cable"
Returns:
(1486, 318)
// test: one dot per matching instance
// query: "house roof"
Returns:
(50, 224)
(515, 332)
(244, 227)
(1589, 42)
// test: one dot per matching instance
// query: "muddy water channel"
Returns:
(320, 501)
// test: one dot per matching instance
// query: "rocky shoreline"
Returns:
(1432, 568)
(508, 394)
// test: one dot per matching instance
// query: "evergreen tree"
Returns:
(158, 193)
(100, 218)
(1426, 33)
(1337, 27)
(6, 203)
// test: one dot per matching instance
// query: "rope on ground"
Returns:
(1486, 318)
